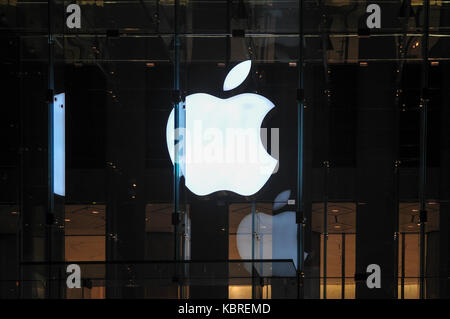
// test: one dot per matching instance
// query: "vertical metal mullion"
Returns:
(423, 146)
(300, 219)
(176, 126)
(50, 93)
(343, 267)
(227, 62)
(396, 225)
(20, 229)
(21, 166)
(253, 237)
(325, 228)
(178, 229)
(228, 39)
(402, 288)
(422, 212)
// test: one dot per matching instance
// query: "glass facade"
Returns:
(357, 205)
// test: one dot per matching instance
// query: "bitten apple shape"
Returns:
(222, 147)
(276, 238)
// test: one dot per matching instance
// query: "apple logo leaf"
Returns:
(237, 75)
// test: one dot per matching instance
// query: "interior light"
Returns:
(335, 210)
(95, 212)
(67, 219)
(59, 146)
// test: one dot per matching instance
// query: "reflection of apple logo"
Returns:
(222, 147)
(277, 237)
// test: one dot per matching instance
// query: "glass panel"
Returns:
(411, 265)
(240, 292)
(350, 263)
(409, 224)
(85, 229)
(9, 226)
(341, 254)
(159, 229)
(364, 97)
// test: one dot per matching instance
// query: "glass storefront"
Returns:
(348, 193)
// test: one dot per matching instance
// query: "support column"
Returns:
(209, 241)
(444, 211)
(126, 145)
(375, 177)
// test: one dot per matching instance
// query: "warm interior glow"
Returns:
(245, 292)
(334, 291)
(240, 292)
(85, 241)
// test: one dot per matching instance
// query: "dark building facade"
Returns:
(359, 131)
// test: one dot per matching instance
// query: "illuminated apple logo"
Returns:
(221, 146)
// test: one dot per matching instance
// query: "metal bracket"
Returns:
(299, 217)
(423, 216)
(301, 95)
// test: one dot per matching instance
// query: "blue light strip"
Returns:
(59, 145)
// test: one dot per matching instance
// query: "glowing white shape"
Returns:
(170, 138)
(277, 237)
(223, 148)
(59, 145)
(237, 75)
